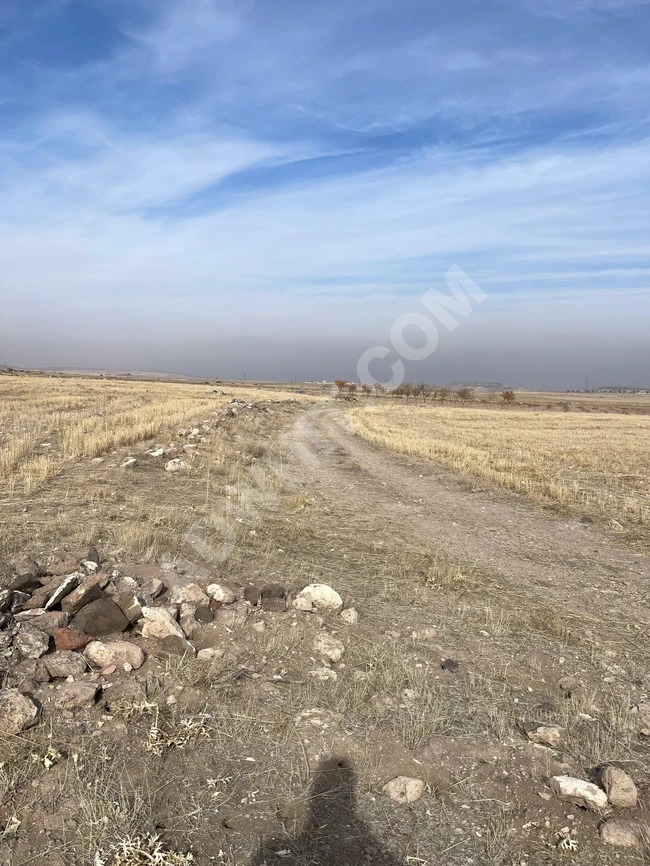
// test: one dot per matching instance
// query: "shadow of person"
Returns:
(334, 834)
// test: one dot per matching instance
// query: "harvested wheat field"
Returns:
(594, 464)
(235, 631)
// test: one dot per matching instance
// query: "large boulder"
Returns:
(319, 598)
(100, 618)
(17, 712)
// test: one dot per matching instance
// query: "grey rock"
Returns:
(18, 601)
(118, 653)
(173, 647)
(624, 834)
(25, 583)
(73, 696)
(252, 593)
(65, 663)
(100, 618)
(31, 642)
(33, 670)
(329, 647)
(65, 587)
(273, 597)
(5, 599)
(129, 604)
(89, 589)
(547, 735)
(620, 788)
(578, 792)
(203, 614)
(17, 712)
(46, 622)
(319, 598)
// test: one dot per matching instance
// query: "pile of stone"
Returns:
(68, 624)
(176, 455)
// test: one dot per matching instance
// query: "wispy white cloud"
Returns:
(232, 165)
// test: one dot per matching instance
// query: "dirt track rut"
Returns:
(537, 555)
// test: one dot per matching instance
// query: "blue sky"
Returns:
(264, 186)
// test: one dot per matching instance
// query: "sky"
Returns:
(263, 188)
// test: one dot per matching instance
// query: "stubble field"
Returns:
(594, 464)
(478, 618)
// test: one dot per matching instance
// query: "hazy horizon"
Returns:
(217, 189)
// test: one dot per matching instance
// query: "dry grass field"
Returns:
(596, 464)
(63, 440)
(480, 618)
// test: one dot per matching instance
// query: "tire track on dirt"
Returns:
(540, 556)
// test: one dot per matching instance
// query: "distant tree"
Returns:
(340, 385)
(508, 396)
(367, 390)
(408, 389)
(352, 387)
(444, 393)
(424, 390)
(398, 391)
(379, 388)
(465, 395)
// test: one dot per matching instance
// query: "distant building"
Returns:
(621, 389)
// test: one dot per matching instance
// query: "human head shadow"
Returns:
(333, 834)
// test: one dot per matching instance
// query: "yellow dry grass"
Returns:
(48, 423)
(51, 428)
(593, 463)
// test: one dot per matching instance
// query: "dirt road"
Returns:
(537, 555)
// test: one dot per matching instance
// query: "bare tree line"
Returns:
(422, 391)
